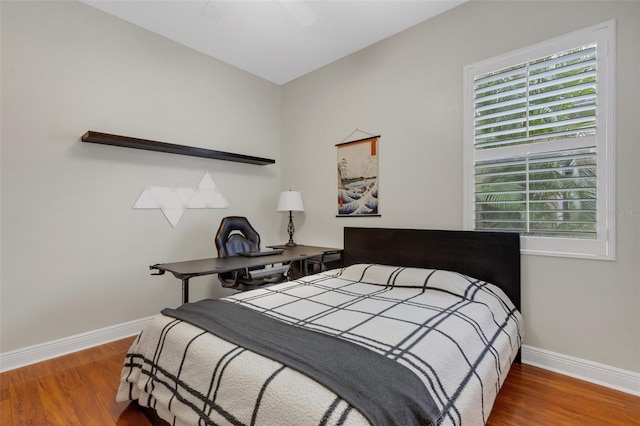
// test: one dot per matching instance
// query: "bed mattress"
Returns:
(458, 335)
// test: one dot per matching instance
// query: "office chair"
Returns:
(236, 235)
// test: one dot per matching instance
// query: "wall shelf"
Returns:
(128, 142)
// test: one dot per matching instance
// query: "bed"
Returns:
(418, 327)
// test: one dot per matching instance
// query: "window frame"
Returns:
(603, 246)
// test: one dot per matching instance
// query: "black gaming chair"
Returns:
(236, 235)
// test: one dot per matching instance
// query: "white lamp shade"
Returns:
(290, 201)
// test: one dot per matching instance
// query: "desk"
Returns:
(216, 265)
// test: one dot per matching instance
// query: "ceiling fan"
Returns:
(299, 10)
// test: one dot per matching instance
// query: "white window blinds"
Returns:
(549, 194)
(538, 138)
(551, 98)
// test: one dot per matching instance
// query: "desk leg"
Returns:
(185, 290)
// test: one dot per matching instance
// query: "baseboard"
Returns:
(44, 351)
(589, 371)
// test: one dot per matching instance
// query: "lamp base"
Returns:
(290, 229)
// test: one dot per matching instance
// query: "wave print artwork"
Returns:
(358, 178)
(360, 198)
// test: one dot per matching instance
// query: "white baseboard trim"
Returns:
(589, 371)
(44, 351)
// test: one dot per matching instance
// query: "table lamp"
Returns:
(290, 201)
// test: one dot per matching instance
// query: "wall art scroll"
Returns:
(358, 178)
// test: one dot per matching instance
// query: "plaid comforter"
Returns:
(457, 334)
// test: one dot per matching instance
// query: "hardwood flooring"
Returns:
(533, 396)
(79, 389)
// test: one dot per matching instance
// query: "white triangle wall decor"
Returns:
(173, 201)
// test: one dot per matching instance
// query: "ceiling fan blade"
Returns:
(300, 11)
(215, 8)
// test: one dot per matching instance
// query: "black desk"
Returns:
(216, 265)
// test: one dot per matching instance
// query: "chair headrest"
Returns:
(230, 227)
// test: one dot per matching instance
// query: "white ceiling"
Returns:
(276, 40)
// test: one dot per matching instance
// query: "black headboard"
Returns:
(490, 256)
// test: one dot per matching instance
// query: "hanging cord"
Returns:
(357, 130)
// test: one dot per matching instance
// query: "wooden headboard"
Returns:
(493, 257)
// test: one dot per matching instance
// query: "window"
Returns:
(539, 145)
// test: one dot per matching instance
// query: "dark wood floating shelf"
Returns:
(108, 139)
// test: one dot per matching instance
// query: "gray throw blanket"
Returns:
(384, 391)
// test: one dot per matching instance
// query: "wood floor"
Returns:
(79, 389)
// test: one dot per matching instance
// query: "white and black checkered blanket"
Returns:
(457, 334)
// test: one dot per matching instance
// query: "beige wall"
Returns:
(408, 88)
(75, 255)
